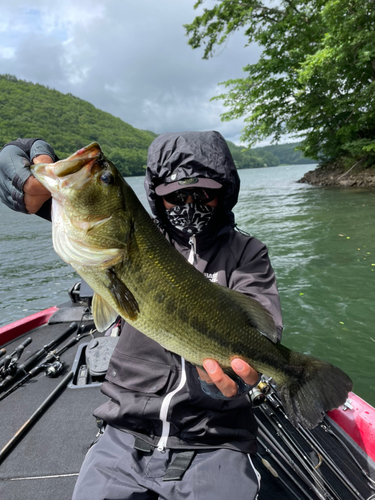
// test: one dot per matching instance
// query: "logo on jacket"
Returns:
(212, 277)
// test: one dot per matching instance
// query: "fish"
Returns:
(103, 231)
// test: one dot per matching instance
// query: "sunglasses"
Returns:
(198, 194)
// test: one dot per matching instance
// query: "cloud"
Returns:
(128, 58)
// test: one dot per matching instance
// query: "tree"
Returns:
(314, 79)
(68, 124)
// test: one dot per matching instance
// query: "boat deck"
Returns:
(45, 462)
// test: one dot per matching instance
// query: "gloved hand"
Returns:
(35, 194)
(19, 190)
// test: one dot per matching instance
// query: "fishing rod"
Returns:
(24, 367)
(271, 441)
(327, 429)
(52, 365)
(17, 350)
(309, 439)
(271, 469)
(317, 448)
(14, 356)
(34, 417)
(264, 393)
(299, 453)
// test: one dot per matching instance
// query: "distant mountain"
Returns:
(287, 154)
(267, 156)
(68, 124)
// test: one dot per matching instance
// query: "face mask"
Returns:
(191, 218)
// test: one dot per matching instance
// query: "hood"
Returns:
(175, 156)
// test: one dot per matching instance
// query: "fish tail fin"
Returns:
(315, 388)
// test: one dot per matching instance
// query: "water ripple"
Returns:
(322, 246)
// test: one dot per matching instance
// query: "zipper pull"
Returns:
(193, 249)
(161, 447)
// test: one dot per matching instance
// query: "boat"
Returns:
(50, 385)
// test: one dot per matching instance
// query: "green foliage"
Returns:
(68, 124)
(287, 154)
(267, 156)
(316, 75)
(247, 158)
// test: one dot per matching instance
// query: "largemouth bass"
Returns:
(104, 232)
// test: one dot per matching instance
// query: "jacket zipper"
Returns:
(193, 249)
(162, 444)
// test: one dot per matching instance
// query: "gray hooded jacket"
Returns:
(144, 380)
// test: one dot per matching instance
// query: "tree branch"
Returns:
(292, 5)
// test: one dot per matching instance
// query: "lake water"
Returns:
(322, 247)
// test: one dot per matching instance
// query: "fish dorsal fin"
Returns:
(258, 315)
(126, 303)
(104, 314)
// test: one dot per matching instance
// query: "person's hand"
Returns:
(213, 374)
(35, 194)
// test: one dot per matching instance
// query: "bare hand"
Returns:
(214, 374)
(35, 194)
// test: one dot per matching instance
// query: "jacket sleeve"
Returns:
(255, 277)
(15, 160)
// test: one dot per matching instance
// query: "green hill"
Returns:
(286, 153)
(267, 156)
(248, 158)
(69, 123)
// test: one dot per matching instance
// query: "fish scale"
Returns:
(104, 232)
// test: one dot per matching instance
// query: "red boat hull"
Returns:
(357, 419)
(24, 325)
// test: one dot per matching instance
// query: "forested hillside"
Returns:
(68, 123)
(286, 153)
(267, 156)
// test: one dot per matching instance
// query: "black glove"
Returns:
(215, 393)
(15, 160)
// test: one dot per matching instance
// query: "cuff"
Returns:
(215, 393)
(42, 148)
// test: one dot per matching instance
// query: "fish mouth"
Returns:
(70, 167)
(81, 158)
(74, 172)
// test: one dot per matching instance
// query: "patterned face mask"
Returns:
(190, 218)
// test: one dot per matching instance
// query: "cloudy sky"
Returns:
(127, 57)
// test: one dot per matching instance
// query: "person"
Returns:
(172, 430)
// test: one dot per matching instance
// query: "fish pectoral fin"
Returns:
(104, 314)
(258, 315)
(125, 300)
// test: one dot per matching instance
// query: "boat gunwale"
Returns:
(13, 330)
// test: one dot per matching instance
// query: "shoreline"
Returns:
(340, 177)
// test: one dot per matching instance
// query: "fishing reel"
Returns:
(53, 369)
(9, 364)
(259, 392)
(9, 367)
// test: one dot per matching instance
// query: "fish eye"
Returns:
(107, 178)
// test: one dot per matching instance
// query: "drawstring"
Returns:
(193, 249)
(241, 231)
